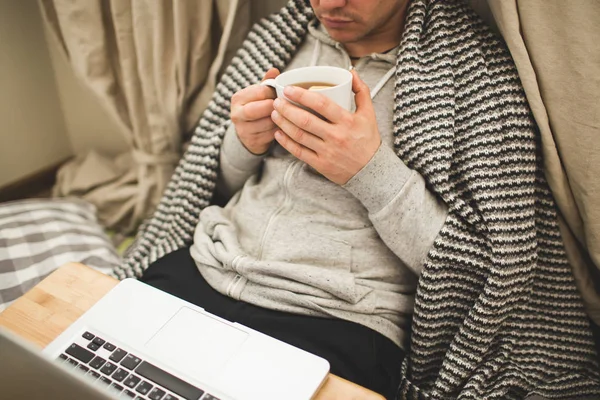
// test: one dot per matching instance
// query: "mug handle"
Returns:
(269, 82)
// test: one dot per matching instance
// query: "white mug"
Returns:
(341, 92)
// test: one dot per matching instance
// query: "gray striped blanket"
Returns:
(497, 314)
(38, 236)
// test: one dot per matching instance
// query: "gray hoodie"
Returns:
(291, 240)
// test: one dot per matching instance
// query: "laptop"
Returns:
(141, 343)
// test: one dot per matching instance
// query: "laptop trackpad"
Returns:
(196, 343)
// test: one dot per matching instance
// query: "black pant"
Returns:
(354, 352)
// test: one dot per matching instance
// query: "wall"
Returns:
(32, 128)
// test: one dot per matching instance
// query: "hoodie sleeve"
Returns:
(407, 216)
(237, 164)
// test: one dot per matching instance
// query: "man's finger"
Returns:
(257, 110)
(253, 93)
(300, 152)
(299, 135)
(267, 136)
(263, 124)
(302, 118)
(271, 74)
(315, 101)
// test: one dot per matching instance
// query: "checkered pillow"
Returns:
(38, 236)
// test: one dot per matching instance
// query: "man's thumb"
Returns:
(362, 94)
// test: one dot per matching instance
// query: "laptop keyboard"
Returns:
(126, 375)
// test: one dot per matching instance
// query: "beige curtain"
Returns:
(555, 45)
(153, 65)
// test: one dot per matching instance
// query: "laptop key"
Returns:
(108, 368)
(144, 387)
(128, 393)
(131, 381)
(120, 374)
(83, 368)
(72, 362)
(87, 336)
(168, 381)
(109, 346)
(97, 362)
(156, 394)
(62, 357)
(99, 341)
(105, 380)
(170, 397)
(131, 361)
(93, 374)
(116, 387)
(118, 355)
(79, 353)
(93, 346)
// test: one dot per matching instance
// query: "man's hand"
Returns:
(337, 148)
(251, 114)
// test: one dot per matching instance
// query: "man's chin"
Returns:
(343, 36)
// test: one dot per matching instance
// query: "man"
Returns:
(318, 245)
(327, 230)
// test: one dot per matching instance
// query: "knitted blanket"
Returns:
(497, 313)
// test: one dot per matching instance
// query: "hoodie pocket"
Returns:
(310, 264)
(328, 252)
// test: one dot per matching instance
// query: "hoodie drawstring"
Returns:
(376, 89)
